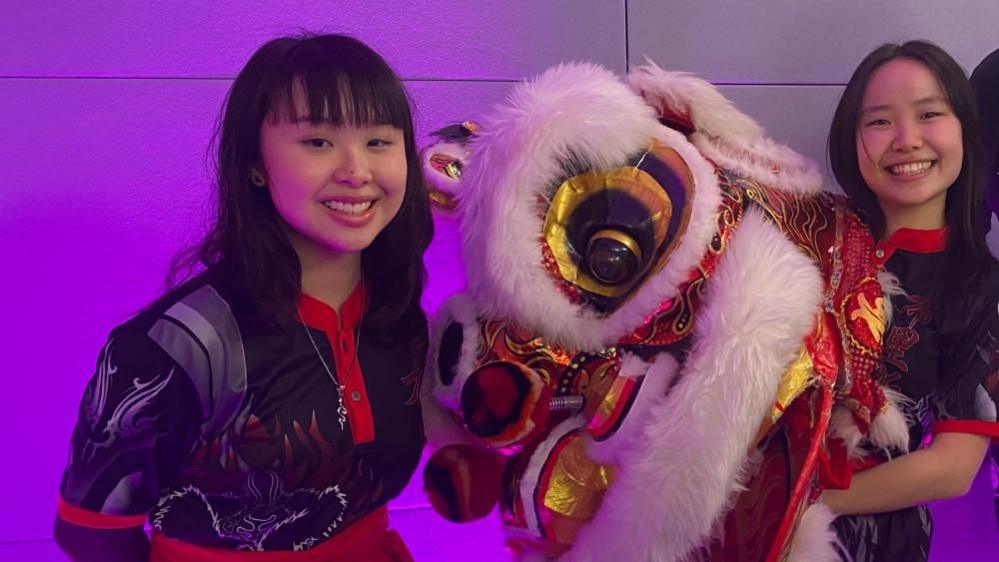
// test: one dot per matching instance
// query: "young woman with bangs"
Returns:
(266, 408)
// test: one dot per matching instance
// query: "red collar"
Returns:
(321, 316)
(912, 240)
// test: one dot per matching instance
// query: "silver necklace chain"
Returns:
(341, 409)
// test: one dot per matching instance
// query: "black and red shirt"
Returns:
(229, 435)
(946, 387)
(953, 388)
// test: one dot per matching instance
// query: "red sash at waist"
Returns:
(366, 540)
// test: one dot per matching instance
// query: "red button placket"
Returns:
(355, 395)
(346, 364)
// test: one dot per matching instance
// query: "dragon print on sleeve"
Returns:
(135, 424)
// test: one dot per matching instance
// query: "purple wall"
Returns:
(105, 113)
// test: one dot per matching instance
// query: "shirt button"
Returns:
(879, 253)
(355, 396)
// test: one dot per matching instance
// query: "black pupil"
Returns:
(611, 261)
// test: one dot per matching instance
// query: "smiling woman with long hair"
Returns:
(905, 146)
(266, 408)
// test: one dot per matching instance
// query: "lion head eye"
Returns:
(613, 257)
(608, 228)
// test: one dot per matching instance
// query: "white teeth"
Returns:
(348, 208)
(910, 169)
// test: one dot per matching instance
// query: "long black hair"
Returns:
(985, 81)
(966, 258)
(345, 83)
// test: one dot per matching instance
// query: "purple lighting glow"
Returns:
(106, 112)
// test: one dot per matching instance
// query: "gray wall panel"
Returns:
(450, 39)
(791, 41)
(797, 116)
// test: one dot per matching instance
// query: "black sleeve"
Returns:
(968, 390)
(138, 418)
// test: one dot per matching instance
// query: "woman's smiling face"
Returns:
(909, 145)
(336, 187)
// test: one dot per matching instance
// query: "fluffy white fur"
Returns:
(890, 286)
(435, 396)
(572, 111)
(724, 134)
(889, 428)
(842, 426)
(760, 303)
(658, 377)
(456, 308)
(815, 540)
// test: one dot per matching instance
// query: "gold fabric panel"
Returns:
(577, 483)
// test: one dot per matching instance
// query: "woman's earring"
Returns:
(257, 179)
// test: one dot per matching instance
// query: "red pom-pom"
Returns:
(462, 482)
(504, 403)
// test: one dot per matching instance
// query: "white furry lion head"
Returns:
(581, 212)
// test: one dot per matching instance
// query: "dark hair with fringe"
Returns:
(344, 82)
(966, 258)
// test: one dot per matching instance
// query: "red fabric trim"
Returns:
(975, 427)
(544, 483)
(624, 402)
(808, 467)
(366, 540)
(342, 339)
(912, 240)
(94, 520)
(834, 467)
(321, 316)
